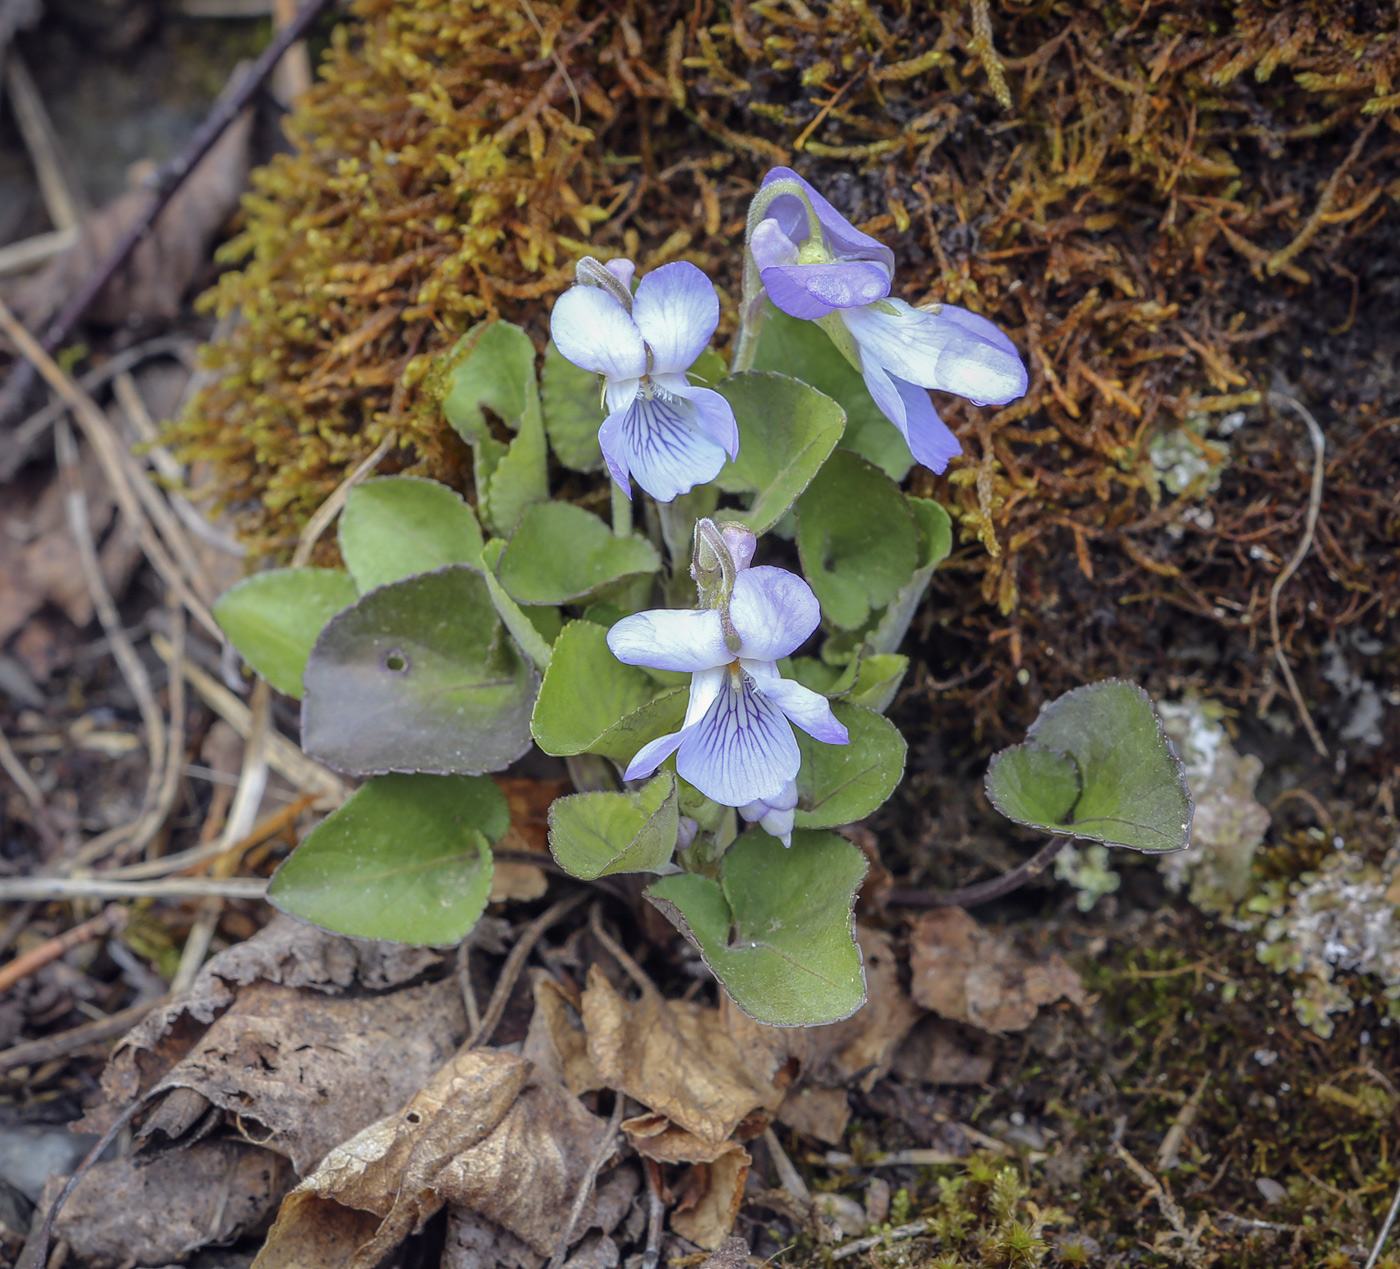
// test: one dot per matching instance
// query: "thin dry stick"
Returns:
(14, 768)
(99, 435)
(898, 1234)
(515, 962)
(37, 1052)
(1314, 223)
(108, 921)
(656, 1211)
(614, 949)
(1385, 1232)
(24, 888)
(1319, 444)
(1176, 1134)
(328, 510)
(30, 253)
(983, 891)
(787, 1174)
(606, 1148)
(75, 504)
(464, 982)
(282, 756)
(61, 201)
(224, 112)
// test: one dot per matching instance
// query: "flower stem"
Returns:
(621, 512)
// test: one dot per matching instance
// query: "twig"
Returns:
(1385, 1232)
(1171, 1143)
(282, 756)
(464, 983)
(108, 921)
(1176, 1218)
(30, 253)
(19, 888)
(1305, 544)
(37, 1052)
(225, 111)
(99, 435)
(918, 1158)
(606, 1147)
(897, 1234)
(515, 962)
(24, 782)
(61, 201)
(614, 949)
(1314, 223)
(75, 504)
(656, 1212)
(983, 891)
(23, 439)
(787, 1174)
(321, 519)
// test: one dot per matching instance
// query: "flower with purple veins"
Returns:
(660, 429)
(814, 264)
(736, 744)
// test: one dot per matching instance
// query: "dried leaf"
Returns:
(473, 1242)
(151, 1213)
(556, 1042)
(658, 1138)
(166, 264)
(709, 1200)
(819, 1112)
(529, 802)
(941, 1052)
(969, 974)
(675, 1057)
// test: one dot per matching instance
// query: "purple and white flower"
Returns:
(736, 745)
(660, 429)
(775, 815)
(814, 264)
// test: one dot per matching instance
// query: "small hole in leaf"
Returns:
(396, 662)
(414, 1117)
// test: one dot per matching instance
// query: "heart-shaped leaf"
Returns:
(590, 702)
(871, 681)
(935, 541)
(795, 347)
(573, 411)
(406, 858)
(858, 538)
(564, 554)
(274, 618)
(1096, 765)
(839, 784)
(419, 676)
(597, 834)
(786, 431)
(396, 526)
(776, 927)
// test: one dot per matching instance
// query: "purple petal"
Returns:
(908, 407)
(623, 270)
(712, 414)
(841, 236)
(779, 824)
(686, 639)
(705, 685)
(808, 709)
(741, 542)
(741, 750)
(593, 331)
(769, 245)
(615, 450)
(662, 444)
(774, 611)
(811, 291)
(676, 310)
(937, 350)
(652, 754)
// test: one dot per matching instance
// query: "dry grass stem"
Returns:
(109, 920)
(36, 1052)
(30, 253)
(328, 510)
(606, 1148)
(13, 889)
(24, 782)
(63, 203)
(898, 1234)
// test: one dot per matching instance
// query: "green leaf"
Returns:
(786, 431)
(273, 618)
(708, 369)
(795, 347)
(776, 927)
(839, 784)
(406, 858)
(419, 675)
(590, 702)
(397, 526)
(494, 367)
(598, 834)
(1104, 744)
(857, 537)
(563, 554)
(935, 541)
(573, 410)
(498, 372)
(869, 680)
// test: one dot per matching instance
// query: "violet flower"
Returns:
(774, 815)
(814, 264)
(736, 745)
(660, 429)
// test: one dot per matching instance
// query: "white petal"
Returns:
(652, 754)
(774, 611)
(741, 750)
(667, 452)
(705, 685)
(670, 639)
(676, 310)
(808, 709)
(594, 331)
